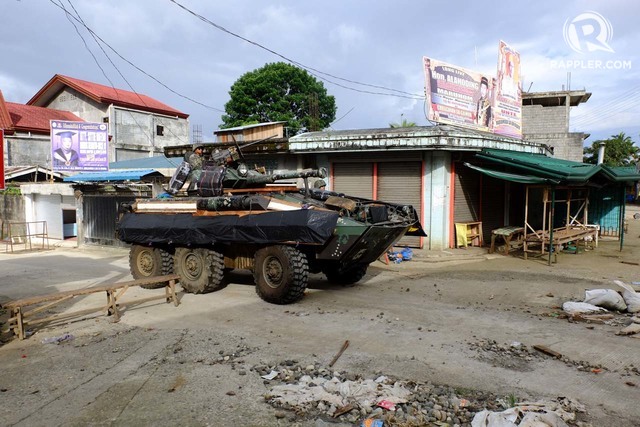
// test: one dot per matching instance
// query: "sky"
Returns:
(189, 62)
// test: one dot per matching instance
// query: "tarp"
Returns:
(522, 179)
(115, 175)
(306, 226)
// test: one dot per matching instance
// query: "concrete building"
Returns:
(545, 120)
(139, 126)
(26, 133)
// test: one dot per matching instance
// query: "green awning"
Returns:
(522, 179)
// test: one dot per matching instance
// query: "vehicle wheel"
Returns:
(145, 261)
(200, 269)
(345, 276)
(281, 274)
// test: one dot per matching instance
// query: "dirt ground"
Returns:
(440, 319)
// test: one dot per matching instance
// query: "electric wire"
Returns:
(140, 69)
(311, 70)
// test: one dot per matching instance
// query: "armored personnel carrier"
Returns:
(231, 217)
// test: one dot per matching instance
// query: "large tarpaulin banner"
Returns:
(79, 146)
(508, 100)
(462, 97)
(458, 96)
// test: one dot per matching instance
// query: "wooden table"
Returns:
(507, 233)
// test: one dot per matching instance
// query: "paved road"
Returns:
(418, 320)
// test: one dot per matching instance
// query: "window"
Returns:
(159, 130)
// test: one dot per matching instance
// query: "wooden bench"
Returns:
(562, 236)
(19, 318)
(507, 234)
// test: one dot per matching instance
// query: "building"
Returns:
(545, 120)
(139, 126)
(27, 133)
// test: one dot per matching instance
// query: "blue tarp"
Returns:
(115, 175)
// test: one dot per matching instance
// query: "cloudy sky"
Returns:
(357, 42)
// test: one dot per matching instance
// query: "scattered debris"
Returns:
(573, 308)
(337, 356)
(605, 298)
(405, 254)
(271, 375)
(631, 297)
(633, 328)
(57, 340)
(548, 351)
(541, 414)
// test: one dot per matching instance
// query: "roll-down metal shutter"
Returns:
(353, 179)
(401, 182)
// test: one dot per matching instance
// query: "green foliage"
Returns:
(11, 191)
(403, 124)
(619, 151)
(280, 92)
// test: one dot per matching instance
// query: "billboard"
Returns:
(462, 97)
(508, 100)
(458, 96)
(2, 157)
(79, 146)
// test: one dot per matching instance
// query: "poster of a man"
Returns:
(65, 155)
(483, 105)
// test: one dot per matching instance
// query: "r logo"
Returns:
(588, 32)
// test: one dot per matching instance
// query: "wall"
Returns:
(11, 208)
(550, 126)
(80, 105)
(27, 150)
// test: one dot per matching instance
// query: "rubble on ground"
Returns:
(317, 392)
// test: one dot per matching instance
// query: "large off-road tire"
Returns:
(200, 269)
(345, 275)
(281, 274)
(145, 261)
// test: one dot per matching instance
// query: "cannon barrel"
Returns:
(305, 173)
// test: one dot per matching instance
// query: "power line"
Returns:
(69, 16)
(138, 68)
(312, 71)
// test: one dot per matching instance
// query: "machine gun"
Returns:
(185, 172)
(220, 157)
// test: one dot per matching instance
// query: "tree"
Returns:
(619, 151)
(403, 124)
(280, 92)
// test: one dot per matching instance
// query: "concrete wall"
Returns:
(11, 208)
(80, 105)
(550, 125)
(27, 150)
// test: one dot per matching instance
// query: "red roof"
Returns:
(27, 118)
(102, 94)
(5, 118)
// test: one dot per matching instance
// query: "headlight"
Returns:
(242, 169)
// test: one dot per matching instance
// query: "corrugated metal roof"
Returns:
(103, 94)
(233, 129)
(156, 162)
(564, 171)
(115, 175)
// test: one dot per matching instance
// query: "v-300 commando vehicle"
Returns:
(232, 218)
